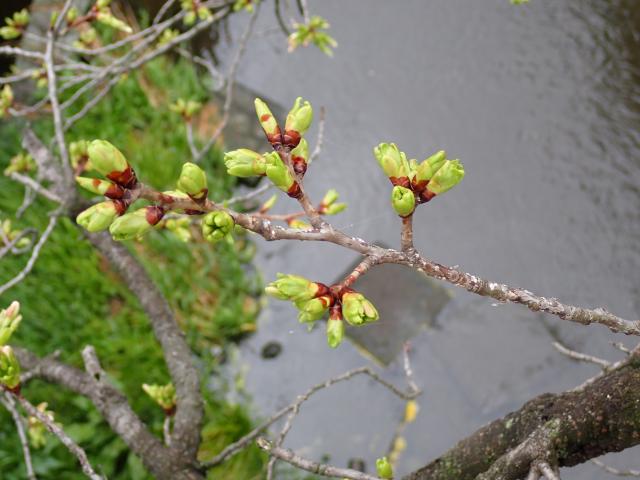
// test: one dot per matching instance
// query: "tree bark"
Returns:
(602, 417)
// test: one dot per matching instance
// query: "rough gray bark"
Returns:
(602, 417)
(164, 463)
(177, 354)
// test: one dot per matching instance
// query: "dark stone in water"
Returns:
(271, 350)
(408, 302)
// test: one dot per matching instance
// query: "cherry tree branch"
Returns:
(8, 403)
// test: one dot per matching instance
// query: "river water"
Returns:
(541, 103)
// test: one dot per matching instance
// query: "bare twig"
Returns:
(547, 471)
(35, 186)
(581, 357)
(34, 256)
(9, 404)
(311, 466)
(72, 446)
(615, 471)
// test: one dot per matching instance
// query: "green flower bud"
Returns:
(314, 309)
(99, 216)
(6, 96)
(247, 5)
(135, 224)
(280, 175)
(107, 159)
(36, 429)
(101, 187)
(357, 310)
(167, 36)
(335, 332)
(106, 18)
(103, 3)
(21, 18)
(300, 157)
(294, 288)
(10, 33)
(298, 122)
(429, 167)
(384, 469)
(268, 122)
(9, 368)
(193, 181)
(335, 208)
(299, 224)
(190, 18)
(163, 395)
(204, 13)
(447, 177)
(403, 201)
(23, 162)
(179, 227)
(217, 225)
(9, 320)
(244, 163)
(268, 205)
(330, 197)
(312, 32)
(72, 15)
(393, 162)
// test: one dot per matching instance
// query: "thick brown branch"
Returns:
(603, 417)
(177, 354)
(162, 462)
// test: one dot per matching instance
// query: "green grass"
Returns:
(72, 298)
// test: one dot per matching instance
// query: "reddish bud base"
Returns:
(126, 178)
(295, 191)
(291, 139)
(154, 214)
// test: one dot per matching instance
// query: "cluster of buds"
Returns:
(167, 36)
(217, 226)
(195, 10)
(163, 395)
(415, 183)
(103, 14)
(6, 100)
(87, 40)
(8, 234)
(315, 33)
(186, 108)
(20, 163)
(313, 300)
(108, 161)
(9, 367)
(36, 429)
(290, 144)
(40, 77)
(247, 5)
(384, 468)
(16, 25)
(329, 206)
(179, 227)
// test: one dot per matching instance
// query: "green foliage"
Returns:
(72, 298)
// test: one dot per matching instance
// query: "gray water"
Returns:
(541, 104)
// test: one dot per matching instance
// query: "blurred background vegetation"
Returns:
(72, 298)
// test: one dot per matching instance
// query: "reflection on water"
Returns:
(541, 103)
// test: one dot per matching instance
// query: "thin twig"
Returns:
(34, 256)
(581, 357)
(73, 447)
(9, 404)
(311, 466)
(615, 471)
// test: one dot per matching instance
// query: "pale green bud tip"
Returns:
(278, 172)
(357, 310)
(384, 469)
(292, 287)
(427, 169)
(94, 185)
(217, 225)
(314, 309)
(392, 160)
(266, 118)
(330, 197)
(9, 368)
(300, 117)
(133, 224)
(9, 320)
(193, 181)
(403, 201)
(244, 163)
(105, 158)
(335, 332)
(97, 217)
(447, 177)
(163, 395)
